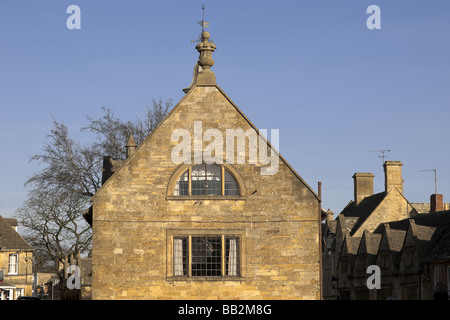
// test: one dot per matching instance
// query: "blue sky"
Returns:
(311, 69)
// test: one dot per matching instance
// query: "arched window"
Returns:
(206, 180)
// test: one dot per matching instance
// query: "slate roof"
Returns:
(438, 219)
(370, 244)
(440, 246)
(352, 244)
(395, 239)
(329, 227)
(13, 222)
(431, 232)
(10, 239)
(345, 223)
(441, 250)
(349, 249)
(363, 210)
(392, 240)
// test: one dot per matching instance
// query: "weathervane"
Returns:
(205, 48)
(204, 25)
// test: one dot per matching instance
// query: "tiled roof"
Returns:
(441, 251)
(352, 244)
(431, 232)
(346, 223)
(370, 243)
(363, 210)
(440, 245)
(395, 239)
(331, 225)
(9, 238)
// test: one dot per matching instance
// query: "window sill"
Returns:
(206, 198)
(184, 278)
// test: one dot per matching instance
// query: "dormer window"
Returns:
(207, 180)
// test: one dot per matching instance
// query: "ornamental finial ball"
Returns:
(206, 35)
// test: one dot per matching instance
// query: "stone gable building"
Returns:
(16, 256)
(384, 229)
(200, 229)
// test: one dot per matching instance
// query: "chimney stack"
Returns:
(393, 176)
(131, 146)
(436, 203)
(363, 182)
(330, 215)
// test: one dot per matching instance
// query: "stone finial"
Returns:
(330, 215)
(202, 70)
(205, 48)
(131, 146)
(205, 61)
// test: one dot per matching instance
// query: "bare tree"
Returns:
(72, 173)
(112, 133)
(70, 166)
(54, 225)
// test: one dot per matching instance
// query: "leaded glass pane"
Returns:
(182, 185)
(206, 180)
(198, 180)
(214, 181)
(231, 187)
(206, 256)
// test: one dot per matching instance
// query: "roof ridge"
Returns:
(10, 238)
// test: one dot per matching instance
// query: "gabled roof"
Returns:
(10, 239)
(186, 96)
(432, 232)
(437, 219)
(395, 239)
(329, 227)
(441, 251)
(369, 244)
(427, 232)
(352, 244)
(392, 239)
(349, 249)
(363, 210)
(345, 224)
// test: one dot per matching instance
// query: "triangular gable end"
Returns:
(409, 237)
(397, 211)
(343, 252)
(362, 248)
(384, 242)
(174, 110)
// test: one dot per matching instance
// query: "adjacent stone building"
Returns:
(75, 278)
(16, 256)
(411, 249)
(202, 229)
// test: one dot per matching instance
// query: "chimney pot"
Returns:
(436, 202)
(131, 146)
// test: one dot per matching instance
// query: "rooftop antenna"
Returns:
(435, 178)
(382, 153)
